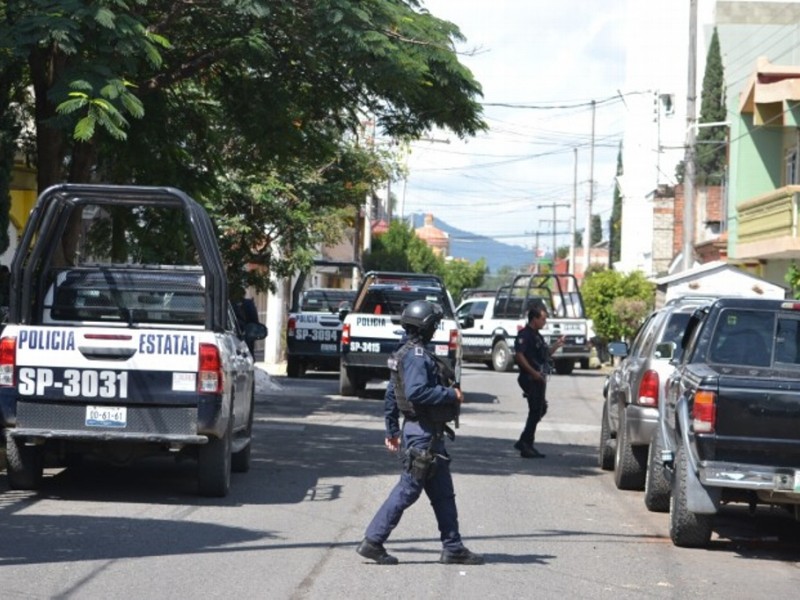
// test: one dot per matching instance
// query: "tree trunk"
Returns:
(50, 144)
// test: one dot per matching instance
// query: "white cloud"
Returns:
(538, 53)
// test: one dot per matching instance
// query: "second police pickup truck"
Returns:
(372, 330)
(730, 427)
(121, 341)
(490, 324)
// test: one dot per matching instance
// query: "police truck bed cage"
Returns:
(114, 229)
(389, 292)
(558, 293)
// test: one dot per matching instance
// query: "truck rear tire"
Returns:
(214, 465)
(294, 367)
(240, 461)
(25, 465)
(347, 384)
(565, 366)
(606, 451)
(502, 359)
(686, 529)
(630, 462)
(656, 484)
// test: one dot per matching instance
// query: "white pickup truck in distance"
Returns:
(121, 341)
(490, 325)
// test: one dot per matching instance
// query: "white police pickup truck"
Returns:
(490, 325)
(372, 330)
(121, 341)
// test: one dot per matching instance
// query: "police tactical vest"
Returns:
(438, 414)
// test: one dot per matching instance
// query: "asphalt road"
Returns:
(550, 528)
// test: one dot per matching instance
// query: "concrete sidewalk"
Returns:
(272, 368)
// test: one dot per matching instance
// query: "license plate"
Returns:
(106, 416)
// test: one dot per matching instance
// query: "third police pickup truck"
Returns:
(490, 324)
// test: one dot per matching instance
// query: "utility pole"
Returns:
(554, 206)
(689, 160)
(587, 234)
(574, 216)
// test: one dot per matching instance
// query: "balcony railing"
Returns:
(767, 224)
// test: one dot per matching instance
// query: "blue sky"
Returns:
(548, 60)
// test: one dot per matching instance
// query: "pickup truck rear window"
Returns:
(328, 301)
(381, 300)
(743, 337)
(127, 297)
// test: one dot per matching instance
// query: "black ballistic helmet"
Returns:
(422, 316)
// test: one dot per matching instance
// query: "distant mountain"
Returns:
(472, 247)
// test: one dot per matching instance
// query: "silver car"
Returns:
(635, 388)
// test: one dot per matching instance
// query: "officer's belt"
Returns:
(441, 428)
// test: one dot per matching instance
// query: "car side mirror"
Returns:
(255, 331)
(618, 349)
(467, 321)
(344, 310)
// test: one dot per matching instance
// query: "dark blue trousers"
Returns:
(535, 392)
(438, 488)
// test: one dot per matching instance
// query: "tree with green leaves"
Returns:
(400, 249)
(711, 143)
(460, 275)
(597, 230)
(617, 303)
(262, 110)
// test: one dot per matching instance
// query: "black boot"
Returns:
(460, 557)
(525, 450)
(375, 552)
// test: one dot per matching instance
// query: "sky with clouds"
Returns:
(540, 63)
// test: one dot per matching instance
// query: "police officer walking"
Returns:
(533, 358)
(416, 389)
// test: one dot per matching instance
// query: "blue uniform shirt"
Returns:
(531, 344)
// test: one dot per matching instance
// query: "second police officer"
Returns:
(418, 390)
(532, 354)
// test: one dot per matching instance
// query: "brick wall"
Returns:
(708, 207)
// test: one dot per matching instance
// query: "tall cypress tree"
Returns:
(615, 226)
(711, 144)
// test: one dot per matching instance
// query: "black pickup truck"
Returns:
(729, 430)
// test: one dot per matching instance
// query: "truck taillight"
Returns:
(291, 327)
(452, 345)
(8, 360)
(346, 334)
(704, 412)
(209, 371)
(648, 389)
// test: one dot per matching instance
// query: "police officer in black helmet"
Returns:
(418, 389)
